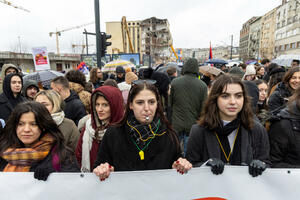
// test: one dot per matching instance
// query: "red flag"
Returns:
(210, 52)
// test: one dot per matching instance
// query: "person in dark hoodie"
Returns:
(188, 94)
(284, 136)
(11, 96)
(74, 108)
(30, 89)
(106, 109)
(120, 72)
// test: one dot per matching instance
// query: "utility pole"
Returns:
(86, 42)
(231, 47)
(98, 33)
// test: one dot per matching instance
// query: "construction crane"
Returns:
(124, 28)
(13, 5)
(80, 45)
(173, 50)
(58, 33)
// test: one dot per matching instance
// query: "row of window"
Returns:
(294, 45)
(287, 33)
(290, 20)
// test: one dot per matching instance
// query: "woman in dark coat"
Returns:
(284, 90)
(227, 132)
(32, 142)
(11, 96)
(143, 140)
(285, 136)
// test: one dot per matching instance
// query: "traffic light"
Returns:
(104, 43)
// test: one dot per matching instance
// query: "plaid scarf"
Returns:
(21, 159)
(141, 133)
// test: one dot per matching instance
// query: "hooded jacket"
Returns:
(114, 97)
(7, 100)
(188, 94)
(84, 95)
(74, 108)
(4, 68)
(279, 97)
(27, 84)
(285, 138)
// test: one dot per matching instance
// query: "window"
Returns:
(286, 47)
(298, 44)
(283, 23)
(289, 20)
(278, 25)
(293, 45)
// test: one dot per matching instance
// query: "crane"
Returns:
(58, 33)
(13, 5)
(124, 27)
(80, 45)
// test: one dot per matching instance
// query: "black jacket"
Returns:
(285, 139)
(118, 150)
(69, 165)
(203, 145)
(74, 108)
(279, 97)
(7, 100)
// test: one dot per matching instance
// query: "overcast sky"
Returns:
(193, 23)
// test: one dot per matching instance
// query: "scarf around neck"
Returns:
(58, 117)
(141, 133)
(228, 128)
(21, 159)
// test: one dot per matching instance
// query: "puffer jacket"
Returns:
(84, 95)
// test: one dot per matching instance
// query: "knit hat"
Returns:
(236, 71)
(250, 70)
(129, 77)
(120, 69)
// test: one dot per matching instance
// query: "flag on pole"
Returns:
(210, 52)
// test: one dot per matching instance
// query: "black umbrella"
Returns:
(43, 77)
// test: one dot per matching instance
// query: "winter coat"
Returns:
(84, 96)
(203, 145)
(279, 97)
(3, 70)
(74, 108)
(68, 165)
(118, 150)
(7, 99)
(114, 97)
(285, 138)
(97, 84)
(188, 94)
(70, 132)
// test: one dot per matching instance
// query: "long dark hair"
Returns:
(93, 75)
(288, 75)
(210, 117)
(135, 90)
(46, 124)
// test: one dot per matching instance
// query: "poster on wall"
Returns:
(40, 58)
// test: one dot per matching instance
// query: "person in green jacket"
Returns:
(187, 97)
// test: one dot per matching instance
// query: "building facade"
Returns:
(287, 34)
(62, 62)
(254, 39)
(244, 40)
(267, 37)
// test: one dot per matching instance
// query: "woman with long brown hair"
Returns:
(143, 140)
(226, 132)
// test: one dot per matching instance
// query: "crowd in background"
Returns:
(246, 115)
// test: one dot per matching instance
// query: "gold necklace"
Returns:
(228, 157)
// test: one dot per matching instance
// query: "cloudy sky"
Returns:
(193, 23)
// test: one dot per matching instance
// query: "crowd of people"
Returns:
(246, 115)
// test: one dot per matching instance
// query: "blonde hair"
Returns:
(54, 98)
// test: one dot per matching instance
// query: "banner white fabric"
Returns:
(234, 184)
(40, 58)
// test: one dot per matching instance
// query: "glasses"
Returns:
(148, 81)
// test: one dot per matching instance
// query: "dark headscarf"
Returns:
(8, 92)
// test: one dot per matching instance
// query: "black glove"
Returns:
(256, 167)
(217, 165)
(42, 172)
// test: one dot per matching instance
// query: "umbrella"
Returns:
(168, 65)
(250, 62)
(216, 61)
(209, 69)
(43, 77)
(286, 60)
(111, 66)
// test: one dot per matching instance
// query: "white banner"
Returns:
(235, 184)
(40, 58)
